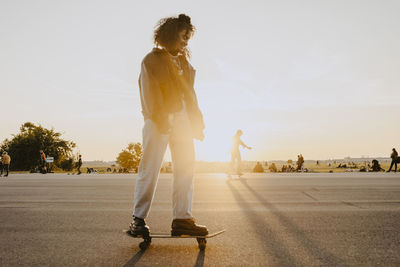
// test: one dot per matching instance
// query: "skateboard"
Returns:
(230, 175)
(201, 240)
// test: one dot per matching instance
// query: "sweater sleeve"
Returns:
(151, 96)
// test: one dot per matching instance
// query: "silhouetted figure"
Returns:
(171, 117)
(284, 168)
(91, 170)
(258, 167)
(394, 157)
(376, 167)
(43, 168)
(5, 162)
(300, 162)
(236, 159)
(79, 164)
(273, 168)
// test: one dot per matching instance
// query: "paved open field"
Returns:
(347, 219)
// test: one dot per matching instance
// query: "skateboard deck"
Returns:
(201, 240)
(231, 175)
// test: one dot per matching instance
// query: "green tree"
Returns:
(129, 158)
(67, 164)
(24, 147)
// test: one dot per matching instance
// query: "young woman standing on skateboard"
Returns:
(171, 116)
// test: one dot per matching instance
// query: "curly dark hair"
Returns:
(167, 30)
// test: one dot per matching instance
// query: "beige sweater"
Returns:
(6, 159)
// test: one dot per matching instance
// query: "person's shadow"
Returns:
(200, 259)
(135, 259)
(315, 250)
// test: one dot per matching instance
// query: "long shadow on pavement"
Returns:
(135, 259)
(324, 256)
(200, 259)
(270, 239)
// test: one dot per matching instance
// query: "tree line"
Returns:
(24, 148)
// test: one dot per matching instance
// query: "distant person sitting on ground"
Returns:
(284, 168)
(258, 167)
(236, 159)
(5, 160)
(376, 167)
(394, 157)
(273, 168)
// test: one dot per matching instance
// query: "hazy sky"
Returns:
(319, 77)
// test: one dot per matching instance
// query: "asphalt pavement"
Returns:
(332, 219)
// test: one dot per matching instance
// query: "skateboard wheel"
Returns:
(144, 245)
(202, 243)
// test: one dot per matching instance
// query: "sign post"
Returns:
(50, 160)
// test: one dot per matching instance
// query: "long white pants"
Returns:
(155, 144)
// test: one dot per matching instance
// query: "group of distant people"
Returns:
(376, 167)
(288, 168)
(235, 165)
(90, 170)
(43, 167)
(236, 160)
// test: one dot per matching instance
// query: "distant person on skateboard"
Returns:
(236, 159)
(171, 116)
